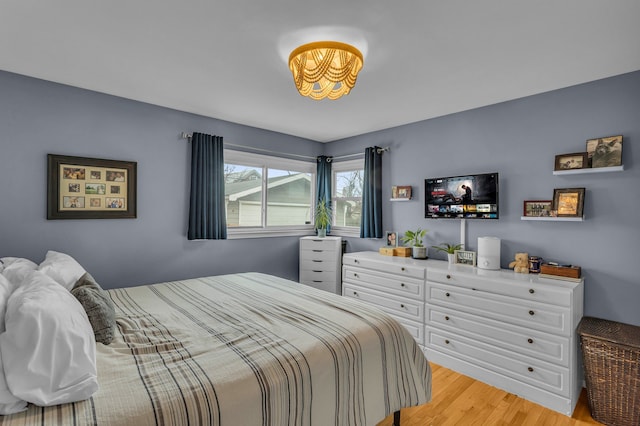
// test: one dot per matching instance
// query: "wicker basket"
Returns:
(611, 355)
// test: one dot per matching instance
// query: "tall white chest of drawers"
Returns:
(320, 263)
(513, 331)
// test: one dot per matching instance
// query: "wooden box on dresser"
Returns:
(320, 263)
(513, 331)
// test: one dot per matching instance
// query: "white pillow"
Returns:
(62, 268)
(17, 268)
(48, 347)
(8, 403)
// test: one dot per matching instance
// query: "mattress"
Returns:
(246, 349)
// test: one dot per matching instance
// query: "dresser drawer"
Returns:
(395, 266)
(520, 286)
(318, 265)
(525, 369)
(329, 285)
(317, 275)
(401, 286)
(548, 318)
(526, 341)
(320, 244)
(320, 256)
(396, 306)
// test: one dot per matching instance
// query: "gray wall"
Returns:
(38, 117)
(519, 139)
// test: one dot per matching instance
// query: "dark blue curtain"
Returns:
(207, 217)
(323, 181)
(371, 223)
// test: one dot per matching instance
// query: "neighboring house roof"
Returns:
(237, 190)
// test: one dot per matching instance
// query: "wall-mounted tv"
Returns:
(462, 197)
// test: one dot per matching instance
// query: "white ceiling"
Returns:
(227, 59)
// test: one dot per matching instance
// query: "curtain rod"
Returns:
(187, 136)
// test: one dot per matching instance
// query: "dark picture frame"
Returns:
(577, 160)
(568, 202)
(76, 188)
(604, 152)
(537, 208)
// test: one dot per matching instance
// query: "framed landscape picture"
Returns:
(578, 160)
(90, 188)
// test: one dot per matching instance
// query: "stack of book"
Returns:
(561, 272)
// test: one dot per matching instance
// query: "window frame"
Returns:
(337, 167)
(243, 158)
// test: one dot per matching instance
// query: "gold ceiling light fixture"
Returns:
(325, 69)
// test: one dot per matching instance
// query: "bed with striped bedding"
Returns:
(246, 349)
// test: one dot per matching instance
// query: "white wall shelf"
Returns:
(553, 219)
(589, 170)
(399, 199)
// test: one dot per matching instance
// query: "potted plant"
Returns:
(414, 239)
(322, 218)
(450, 249)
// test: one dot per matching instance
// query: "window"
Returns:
(267, 196)
(347, 195)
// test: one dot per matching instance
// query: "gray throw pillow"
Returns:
(98, 306)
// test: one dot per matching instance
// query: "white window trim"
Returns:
(343, 166)
(270, 162)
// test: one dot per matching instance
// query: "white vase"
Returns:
(322, 232)
(452, 258)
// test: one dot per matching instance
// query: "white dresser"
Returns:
(320, 263)
(395, 284)
(513, 331)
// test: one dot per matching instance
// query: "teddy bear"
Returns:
(521, 264)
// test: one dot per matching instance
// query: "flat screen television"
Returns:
(462, 197)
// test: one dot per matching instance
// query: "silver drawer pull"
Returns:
(355, 261)
(355, 293)
(448, 276)
(446, 318)
(317, 251)
(446, 341)
(447, 294)
(317, 271)
(317, 261)
(530, 340)
(402, 305)
(530, 369)
(402, 269)
(531, 291)
(531, 313)
(355, 275)
(317, 281)
(401, 284)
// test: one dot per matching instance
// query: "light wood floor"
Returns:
(460, 400)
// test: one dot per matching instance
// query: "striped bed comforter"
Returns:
(246, 349)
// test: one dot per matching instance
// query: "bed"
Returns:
(245, 349)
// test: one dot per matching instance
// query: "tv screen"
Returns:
(462, 197)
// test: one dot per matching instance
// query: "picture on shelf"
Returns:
(578, 160)
(401, 192)
(568, 202)
(537, 208)
(605, 152)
